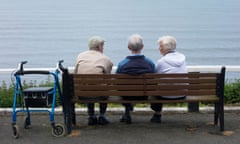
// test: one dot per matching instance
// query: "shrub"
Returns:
(232, 92)
(6, 95)
(7, 92)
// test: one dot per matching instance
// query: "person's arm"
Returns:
(109, 66)
(118, 69)
(158, 68)
(76, 69)
(105, 65)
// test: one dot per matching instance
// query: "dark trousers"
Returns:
(157, 107)
(102, 107)
(129, 106)
(91, 106)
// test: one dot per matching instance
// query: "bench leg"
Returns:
(69, 119)
(221, 117)
(73, 114)
(216, 111)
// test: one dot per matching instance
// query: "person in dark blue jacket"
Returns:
(136, 63)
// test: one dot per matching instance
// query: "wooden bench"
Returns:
(197, 87)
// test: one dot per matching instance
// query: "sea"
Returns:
(45, 31)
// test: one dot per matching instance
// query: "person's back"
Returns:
(171, 62)
(136, 63)
(94, 61)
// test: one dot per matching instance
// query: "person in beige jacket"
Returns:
(94, 61)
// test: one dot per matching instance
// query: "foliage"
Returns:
(7, 92)
(232, 92)
(6, 95)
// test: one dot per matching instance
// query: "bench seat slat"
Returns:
(80, 87)
(181, 92)
(114, 99)
(147, 93)
(99, 81)
(177, 80)
(148, 75)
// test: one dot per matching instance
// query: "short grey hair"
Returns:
(94, 42)
(169, 42)
(135, 42)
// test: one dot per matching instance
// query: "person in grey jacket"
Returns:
(94, 61)
(171, 62)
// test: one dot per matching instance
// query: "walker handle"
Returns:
(20, 67)
(60, 66)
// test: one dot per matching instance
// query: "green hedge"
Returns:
(7, 92)
(232, 92)
(6, 95)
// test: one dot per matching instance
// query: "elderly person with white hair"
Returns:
(136, 63)
(171, 62)
(93, 61)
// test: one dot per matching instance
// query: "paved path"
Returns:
(176, 128)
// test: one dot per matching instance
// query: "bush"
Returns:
(7, 92)
(6, 95)
(232, 92)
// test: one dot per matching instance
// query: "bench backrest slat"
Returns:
(144, 85)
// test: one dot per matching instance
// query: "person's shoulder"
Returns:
(123, 61)
(85, 52)
(148, 59)
(105, 57)
(183, 55)
(179, 53)
(161, 60)
(82, 53)
(98, 54)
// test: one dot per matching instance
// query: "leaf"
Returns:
(224, 133)
(75, 133)
(227, 133)
(191, 128)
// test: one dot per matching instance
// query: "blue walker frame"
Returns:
(57, 129)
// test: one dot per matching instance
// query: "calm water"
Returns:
(44, 31)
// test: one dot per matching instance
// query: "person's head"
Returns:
(166, 44)
(96, 43)
(135, 43)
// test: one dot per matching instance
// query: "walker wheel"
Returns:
(27, 122)
(15, 131)
(58, 130)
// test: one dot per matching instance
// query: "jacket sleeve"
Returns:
(105, 65)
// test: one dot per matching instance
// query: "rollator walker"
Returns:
(36, 99)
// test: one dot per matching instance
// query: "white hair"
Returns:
(135, 42)
(94, 42)
(169, 42)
